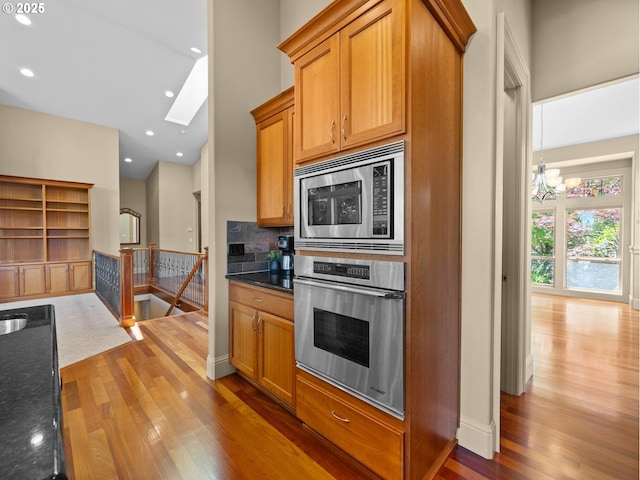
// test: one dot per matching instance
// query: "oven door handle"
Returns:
(374, 292)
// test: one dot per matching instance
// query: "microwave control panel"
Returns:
(381, 199)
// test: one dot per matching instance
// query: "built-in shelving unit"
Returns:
(45, 226)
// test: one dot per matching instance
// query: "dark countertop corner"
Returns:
(281, 281)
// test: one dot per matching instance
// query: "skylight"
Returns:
(598, 114)
(192, 95)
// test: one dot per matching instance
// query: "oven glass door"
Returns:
(352, 337)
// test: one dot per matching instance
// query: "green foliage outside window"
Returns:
(593, 233)
(542, 245)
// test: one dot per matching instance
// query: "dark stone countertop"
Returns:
(280, 280)
(30, 402)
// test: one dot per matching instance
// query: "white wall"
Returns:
(177, 207)
(244, 73)
(133, 195)
(294, 14)
(579, 44)
(39, 145)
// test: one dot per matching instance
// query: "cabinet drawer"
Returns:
(276, 303)
(365, 438)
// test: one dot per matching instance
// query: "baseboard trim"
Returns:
(219, 367)
(528, 372)
(479, 438)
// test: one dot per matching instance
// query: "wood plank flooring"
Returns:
(146, 410)
(578, 418)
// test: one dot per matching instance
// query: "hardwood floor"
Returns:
(146, 410)
(579, 415)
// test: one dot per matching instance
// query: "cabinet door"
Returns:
(243, 327)
(277, 356)
(9, 282)
(317, 94)
(80, 276)
(57, 278)
(372, 76)
(32, 280)
(274, 171)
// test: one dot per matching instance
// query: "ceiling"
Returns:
(109, 63)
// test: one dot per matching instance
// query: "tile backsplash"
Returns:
(257, 243)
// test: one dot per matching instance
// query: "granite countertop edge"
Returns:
(278, 281)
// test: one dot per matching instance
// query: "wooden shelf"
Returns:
(44, 221)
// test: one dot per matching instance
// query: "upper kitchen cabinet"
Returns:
(274, 145)
(350, 86)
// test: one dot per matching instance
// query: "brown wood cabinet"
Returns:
(261, 340)
(368, 435)
(274, 146)
(369, 72)
(44, 237)
(349, 88)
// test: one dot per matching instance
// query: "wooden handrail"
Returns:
(184, 285)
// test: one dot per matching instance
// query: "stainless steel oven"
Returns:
(349, 326)
(352, 203)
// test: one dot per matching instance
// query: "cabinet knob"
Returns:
(344, 132)
(333, 124)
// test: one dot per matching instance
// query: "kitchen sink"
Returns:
(12, 323)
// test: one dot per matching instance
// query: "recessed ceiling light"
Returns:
(23, 19)
(196, 50)
(179, 154)
(128, 160)
(169, 94)
(26, 72)
(183, 132)
(149, 132)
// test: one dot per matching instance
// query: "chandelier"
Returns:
(548, 182)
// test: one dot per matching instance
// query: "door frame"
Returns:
(512, 73)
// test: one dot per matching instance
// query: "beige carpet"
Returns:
(84, 326)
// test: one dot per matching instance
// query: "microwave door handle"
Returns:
(346, 288)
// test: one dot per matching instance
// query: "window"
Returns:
(593, 249)
(542, 246)
(578, 239)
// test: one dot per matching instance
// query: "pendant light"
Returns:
(548, 182)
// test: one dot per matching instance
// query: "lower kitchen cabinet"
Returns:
(22, 281)
(44, 279)
(58, 278)
(261, 339)
(369, 435)
(80, 276)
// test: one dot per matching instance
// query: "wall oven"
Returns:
(349, 316)
(353, 203)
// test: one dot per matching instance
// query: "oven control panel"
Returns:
(362, 272)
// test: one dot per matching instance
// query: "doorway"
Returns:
(512, 345)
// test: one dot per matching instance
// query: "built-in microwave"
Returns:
(352, 203)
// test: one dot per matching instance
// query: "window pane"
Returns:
(593, 233)
(541, 271)
(588, 275)
(542, 246)
(542, 234)
(593, 249)
(596, 187)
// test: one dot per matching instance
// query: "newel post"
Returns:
(152, 263)
(127, 318)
